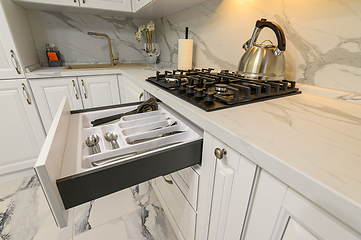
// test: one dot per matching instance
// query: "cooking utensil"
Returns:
(147, 106)
(112, 138)
(105, 161)
(155, 137)
(264, 62)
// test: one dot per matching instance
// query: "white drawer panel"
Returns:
(181, 211)
(187, 181)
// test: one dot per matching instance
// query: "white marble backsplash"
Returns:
(68, 31)
(323, 37)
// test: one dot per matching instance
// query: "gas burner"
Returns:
(221, 88)
(212, 90)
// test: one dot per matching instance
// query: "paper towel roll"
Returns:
(185, 54)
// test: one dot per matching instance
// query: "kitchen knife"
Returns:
(155, 137)
(105, 161)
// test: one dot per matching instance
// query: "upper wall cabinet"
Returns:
(161, 8)
(97, 7)
(121, 8)
(17, 49)
(142, 9)
(138, 4)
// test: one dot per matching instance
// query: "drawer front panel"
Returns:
(187, 181)
(181, 211)
(84, 187)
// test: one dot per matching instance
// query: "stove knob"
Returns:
(183, 87)
(199, 92)
(209, 97)
(190, 90)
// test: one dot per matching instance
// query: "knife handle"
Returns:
(103, 120)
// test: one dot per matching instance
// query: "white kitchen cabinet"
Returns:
(103, 7)
(265, 207)
(179, 200)
(82, 92)
(233, 184)
(138, 4)
(98, 91)
(129, 91)
(299, 218)
(278, 212)
(118, 5)
(17, 49)
(50, 3)
(22, 134)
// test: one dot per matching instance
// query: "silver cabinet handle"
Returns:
(75, 90)
(167, 181)
(85, 92)
(26, 94)
(15, 61)
(140, 96)
(220, 153)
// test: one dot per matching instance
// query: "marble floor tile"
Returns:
(26, 215)
(148, 223)
(9, 188)
(92, 214)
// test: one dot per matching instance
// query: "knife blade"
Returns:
(108, 160)
(155, 137)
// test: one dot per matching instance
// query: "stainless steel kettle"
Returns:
(264, 62)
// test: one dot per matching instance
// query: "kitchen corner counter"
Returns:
(309, 142)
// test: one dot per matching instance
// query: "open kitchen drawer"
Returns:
(65, 165)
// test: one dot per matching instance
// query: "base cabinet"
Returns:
(22, 132)
(233, 185)
(177, 198)
(82, 92)
(129, 92)
(284, 214)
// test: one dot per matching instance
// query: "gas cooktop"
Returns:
(213, 90)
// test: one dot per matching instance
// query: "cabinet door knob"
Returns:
(220, 153)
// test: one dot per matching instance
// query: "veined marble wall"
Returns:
(69, 33)
(323, 37)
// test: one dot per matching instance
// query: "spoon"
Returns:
(90, 143)
(115, 138)
(96, 142)
(112, 138)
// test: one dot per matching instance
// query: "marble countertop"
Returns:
(309, 142)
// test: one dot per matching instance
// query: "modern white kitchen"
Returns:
(113, 128)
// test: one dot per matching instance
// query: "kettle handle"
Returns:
(260, 24)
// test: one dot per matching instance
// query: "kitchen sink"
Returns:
(77, 67)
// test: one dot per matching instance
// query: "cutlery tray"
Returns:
(133, 127)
